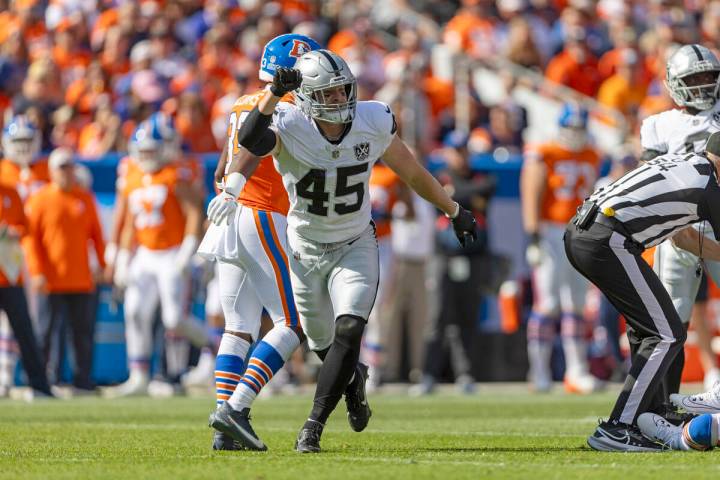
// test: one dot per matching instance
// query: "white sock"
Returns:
(268, 357)
(229, 365)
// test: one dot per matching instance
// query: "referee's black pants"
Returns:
(613, 263)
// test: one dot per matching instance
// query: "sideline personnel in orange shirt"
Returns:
(13, 227)
(63, 218)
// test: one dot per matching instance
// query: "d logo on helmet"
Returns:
(299, 48)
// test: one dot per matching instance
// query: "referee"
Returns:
(604, 240)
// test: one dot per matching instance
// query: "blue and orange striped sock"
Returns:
(229, 365)
(268, 357)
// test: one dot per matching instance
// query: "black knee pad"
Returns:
(349, 327)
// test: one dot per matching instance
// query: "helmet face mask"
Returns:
(320, 96)
(572, 126)
(21, 142)
(154, 143)
(573, 138)
(149, 156)
(693, 77)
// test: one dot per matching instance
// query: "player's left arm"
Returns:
(193, 223)
(402, 161)
(690, 240)
(96, 234)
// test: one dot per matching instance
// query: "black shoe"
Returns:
(225, 442)
(356, 400)
(676, 417)
(308, 440)
(614, 436)
(236, 425)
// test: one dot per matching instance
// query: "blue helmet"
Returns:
(21, 141)
(573, 115)
(148, 144)
(171, 138)
(283, 51)
(573, 122)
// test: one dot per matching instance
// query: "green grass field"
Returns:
(498, 433)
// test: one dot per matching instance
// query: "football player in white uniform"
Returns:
(693, 81)
(324, 147)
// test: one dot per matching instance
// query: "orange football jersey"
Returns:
(13, 216)
(157, 215)
(571, 176)
(264, 190)
(25, 181)
(383, 195)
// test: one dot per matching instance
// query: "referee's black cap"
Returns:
(713, 144)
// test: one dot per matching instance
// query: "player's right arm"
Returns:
(219, 175)
(258, 139)
(243, 162)
(118, 219)
(533, 178)
(255, 133)
(118, 272)
(652, 144)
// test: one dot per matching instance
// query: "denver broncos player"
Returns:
(693, 80)
(26, 171)
(163, 217)
(22, 166)
(172, 149)
(555, 178)
(247, 239)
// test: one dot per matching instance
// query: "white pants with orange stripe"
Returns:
(333, 279)
(253, 271)
(558, 286)
(154, 277)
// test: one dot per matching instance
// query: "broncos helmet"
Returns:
(283, 51)
(172, 142)
(693, 77)
(322, 70)
(572, 123)
(147, 146)
(21, 141)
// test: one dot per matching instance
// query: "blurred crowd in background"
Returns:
(87, 72)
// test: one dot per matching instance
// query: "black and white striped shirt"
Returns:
(662, 197)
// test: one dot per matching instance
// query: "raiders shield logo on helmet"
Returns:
(362, 151)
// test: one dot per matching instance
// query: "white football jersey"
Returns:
(327, 184)
(676, 131)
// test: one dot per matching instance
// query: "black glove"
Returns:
(285, 80)
(464, 226)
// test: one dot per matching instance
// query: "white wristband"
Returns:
(455, 213)
(111, 251)
(234, 183)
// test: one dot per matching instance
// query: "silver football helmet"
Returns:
(693, 77)
(322, 73)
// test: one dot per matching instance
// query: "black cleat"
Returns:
(236, 425)
(308, 440)
(614, 436)
(676, 417)
(225, 442)
(356, 400)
